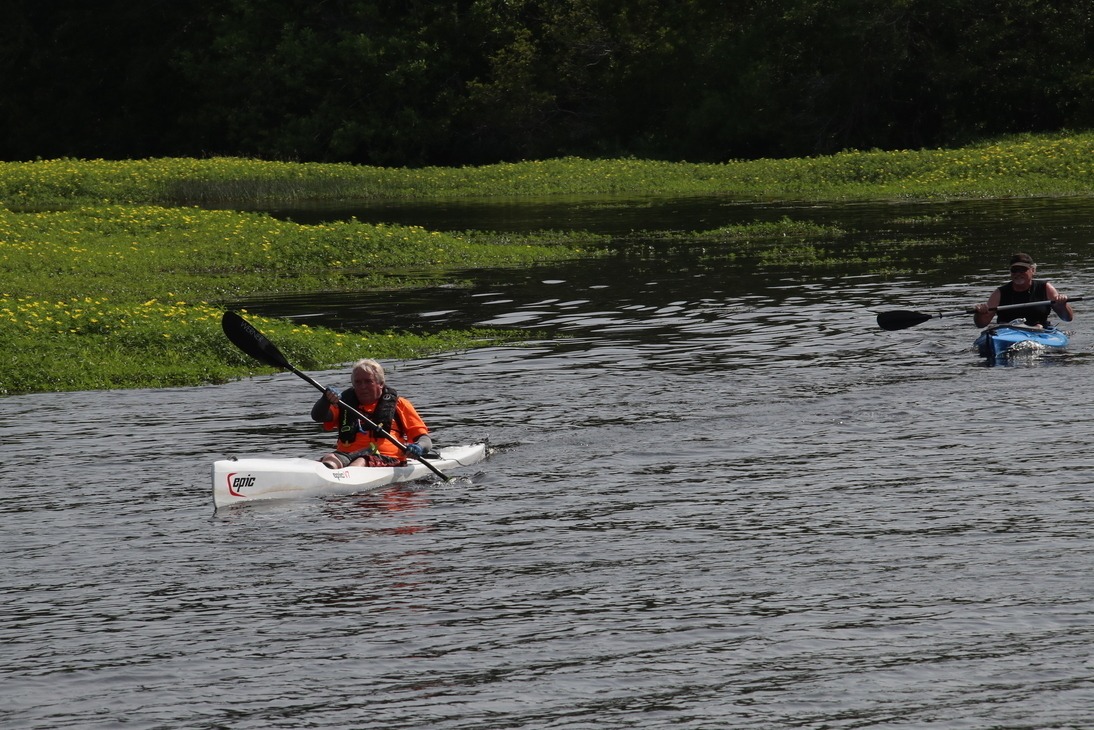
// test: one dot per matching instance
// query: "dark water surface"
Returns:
(724, 498)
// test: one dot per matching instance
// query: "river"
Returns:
(718, 495)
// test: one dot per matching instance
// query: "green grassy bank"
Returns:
(126, 296)
(1060, 164)
(120, 296)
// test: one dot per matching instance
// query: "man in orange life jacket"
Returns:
(358, 443)
(1020, 289)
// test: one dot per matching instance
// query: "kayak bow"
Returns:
(1004, 339)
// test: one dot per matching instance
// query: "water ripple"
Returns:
(729, 501)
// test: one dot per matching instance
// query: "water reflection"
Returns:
(1043, 219)
(694, 287)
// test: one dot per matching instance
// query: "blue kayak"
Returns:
(1004, 339)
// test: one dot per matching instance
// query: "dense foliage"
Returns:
(445, 82)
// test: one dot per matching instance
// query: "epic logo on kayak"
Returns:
(235, 483)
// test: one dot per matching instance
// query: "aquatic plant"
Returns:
(125, 296)
(208, 254)
(1056, 164)
(88, 343)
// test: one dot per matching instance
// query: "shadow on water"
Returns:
(607, 214)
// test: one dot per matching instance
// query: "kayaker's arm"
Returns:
(420, 445)
(983, 313)
(321, 411)
(1059, 304)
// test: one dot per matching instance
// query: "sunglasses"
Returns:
(1019, 269)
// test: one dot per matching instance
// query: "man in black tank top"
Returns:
(1023, 288)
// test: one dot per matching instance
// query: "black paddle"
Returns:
(244, 336)
(900, 320)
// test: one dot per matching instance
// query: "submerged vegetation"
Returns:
(1022, 165)
(115, 290)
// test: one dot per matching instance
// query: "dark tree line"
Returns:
(410, 82)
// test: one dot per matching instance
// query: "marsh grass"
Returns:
(1055, 164)
(118, 296)
(124, 296)
(113, 290)
(90, 344)
(139, 251)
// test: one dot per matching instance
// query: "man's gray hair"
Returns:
(371, 366)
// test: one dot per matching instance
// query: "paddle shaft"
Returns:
(246, 337)
(904, 319)
(1003, 307)
(1046, 303)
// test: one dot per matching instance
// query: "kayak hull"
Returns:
(1002, 340)
(251, 480)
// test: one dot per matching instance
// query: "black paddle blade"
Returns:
(244, 336)
(900, 320)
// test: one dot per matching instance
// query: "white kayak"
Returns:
(249, 480)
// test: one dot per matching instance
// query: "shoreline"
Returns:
(115, 290)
